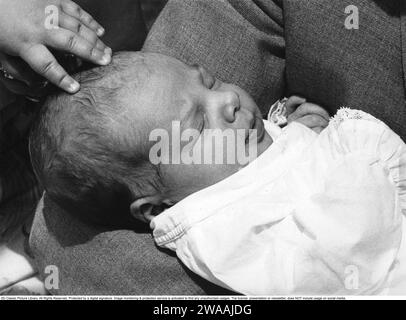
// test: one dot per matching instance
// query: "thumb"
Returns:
(44, 63)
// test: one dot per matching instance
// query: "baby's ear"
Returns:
(147, 208)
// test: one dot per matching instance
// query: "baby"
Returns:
(297, 218)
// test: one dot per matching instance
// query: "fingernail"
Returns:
(73, 87)
(108, 51)
(106, 59)
(100, 32)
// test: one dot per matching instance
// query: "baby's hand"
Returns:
(24, 33)
(308, 114)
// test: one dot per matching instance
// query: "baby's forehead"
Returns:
(138, 70)
(169, 65)
(149, 84)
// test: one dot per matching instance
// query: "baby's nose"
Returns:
(229, 104)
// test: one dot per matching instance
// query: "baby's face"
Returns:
(184, 108)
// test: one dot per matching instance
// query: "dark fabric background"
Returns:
(336, 67)
(151, 9)
(122, 19)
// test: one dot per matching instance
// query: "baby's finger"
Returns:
(306, 109)
(313, 121)
(293, 103)
(74, 10)
(68, 41)
(44, 63)
(318, 129)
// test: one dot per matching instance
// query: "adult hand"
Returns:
(26, 32)
(309, 114)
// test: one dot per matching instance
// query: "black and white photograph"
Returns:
(235, 150)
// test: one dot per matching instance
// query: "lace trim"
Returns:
(278, 113)
(350, 114)
(171, 236)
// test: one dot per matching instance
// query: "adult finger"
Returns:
(76, 26)
(74, 10)
(68, 41)
(44, 63)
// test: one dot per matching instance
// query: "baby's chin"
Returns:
(259, 141)
(265, 143)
